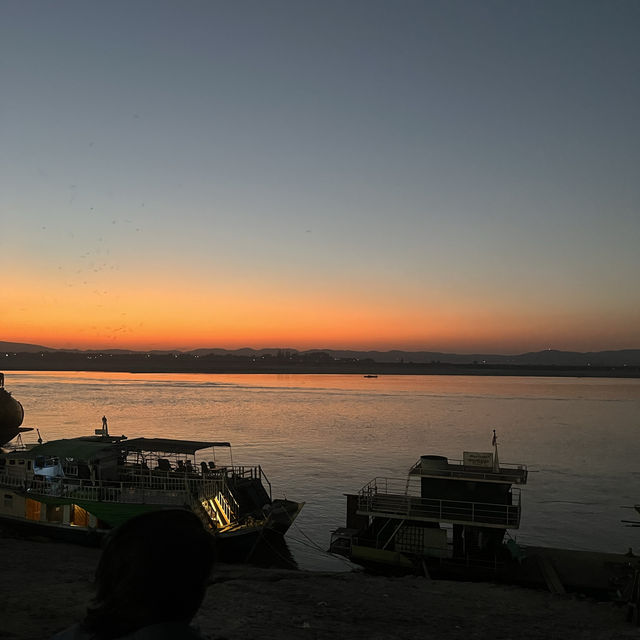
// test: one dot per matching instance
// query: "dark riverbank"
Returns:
(45, 587)
(229, 364)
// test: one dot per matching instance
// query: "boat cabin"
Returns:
(449, 510)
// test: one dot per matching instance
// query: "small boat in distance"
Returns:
(77, 489)
(371, 375)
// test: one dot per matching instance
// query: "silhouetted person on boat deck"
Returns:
(150, 580)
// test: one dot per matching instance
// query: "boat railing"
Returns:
(155, 491)
(164, 480)
(224, 500)
(245, 471)
(11, 480)
(259, 474)
(147, 487)
(385, 497)
(456, 469)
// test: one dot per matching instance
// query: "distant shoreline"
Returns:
(145, 363)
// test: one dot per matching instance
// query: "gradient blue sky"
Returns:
(440, 175)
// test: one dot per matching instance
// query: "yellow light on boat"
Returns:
(79, 516)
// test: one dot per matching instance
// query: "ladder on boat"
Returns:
(217, 508)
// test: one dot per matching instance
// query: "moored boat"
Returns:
(77, 489)
(451, 519)
(444, 514)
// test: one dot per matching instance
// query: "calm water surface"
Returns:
(319, 436)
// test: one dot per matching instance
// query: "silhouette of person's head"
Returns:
(154, 569)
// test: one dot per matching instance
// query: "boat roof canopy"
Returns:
(76, 448)
(168, 445)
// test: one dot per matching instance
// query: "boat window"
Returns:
(12, 461)
(8, 500)
(33, 509)
(54, 513)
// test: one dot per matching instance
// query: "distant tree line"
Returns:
(282, 361)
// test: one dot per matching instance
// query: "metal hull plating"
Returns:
(11, 415)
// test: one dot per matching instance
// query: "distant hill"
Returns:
(549, 357)
(629, 357)
(21, 347)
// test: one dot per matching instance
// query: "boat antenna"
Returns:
(39, 436)
(496, 462)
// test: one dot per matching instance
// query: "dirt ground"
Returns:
(45, 587)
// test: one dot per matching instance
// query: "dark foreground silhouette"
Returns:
(150, 581)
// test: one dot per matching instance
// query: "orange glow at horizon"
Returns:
(142, 317)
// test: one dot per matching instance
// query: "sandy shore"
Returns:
(45, 587)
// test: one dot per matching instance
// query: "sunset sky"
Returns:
(412, 174)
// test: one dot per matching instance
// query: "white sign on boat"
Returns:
(477, 459)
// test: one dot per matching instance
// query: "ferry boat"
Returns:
(445, 514)
(77, 489)
(451, 519)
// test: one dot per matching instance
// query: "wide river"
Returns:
(320, 436)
